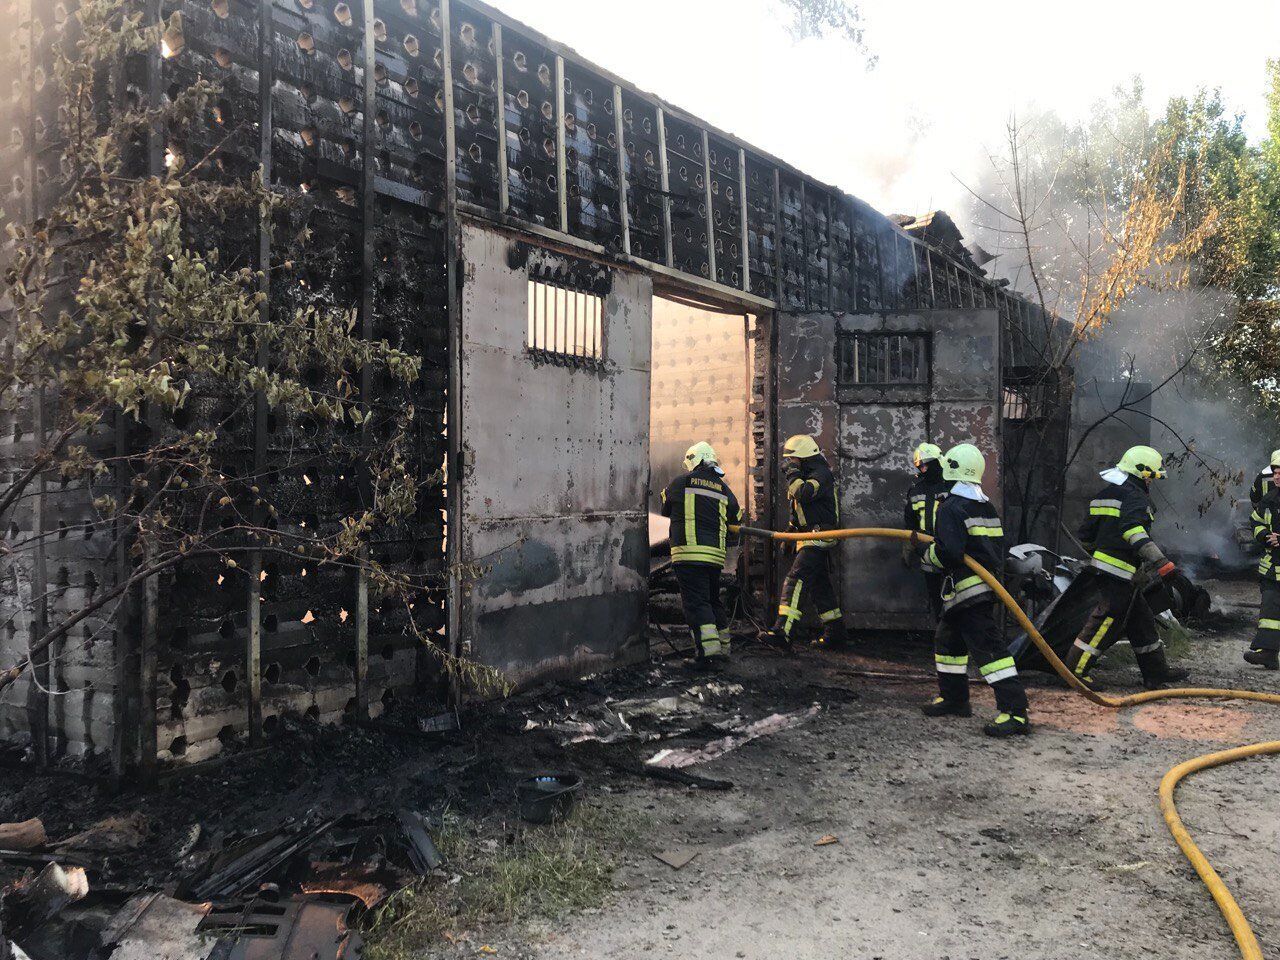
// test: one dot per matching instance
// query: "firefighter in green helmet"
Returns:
(1117, 533)
(701, 507)
(968, 524)
(815, 506)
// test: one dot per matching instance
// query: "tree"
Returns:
(817, 18)
(1091, 220)
(144, 345)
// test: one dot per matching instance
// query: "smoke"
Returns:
(1157, 339)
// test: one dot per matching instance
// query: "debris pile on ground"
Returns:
(276, 852)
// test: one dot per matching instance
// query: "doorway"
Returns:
(700, 390)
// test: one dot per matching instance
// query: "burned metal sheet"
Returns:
(555, 537)
(870, 426)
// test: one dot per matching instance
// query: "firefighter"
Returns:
(967, 523)
(701, 507)
(1265, 482)
(815, 506)
(1265, 649)
(1117, 533)
(927, 492)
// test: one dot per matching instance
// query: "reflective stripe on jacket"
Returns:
(1266, 521)
(963, 527)
(1118, 527)
(814, 500)
(701, 507)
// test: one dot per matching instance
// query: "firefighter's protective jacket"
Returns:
(812, 495)
(1263, 484)
(1118, 529)
(965, 526)
(701, 507)
(1266, 521)
(924, 498)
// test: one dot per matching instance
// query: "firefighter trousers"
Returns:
(1268, 635)
(703, 609)
(1121, 613)
(971, 633)
(809, 585)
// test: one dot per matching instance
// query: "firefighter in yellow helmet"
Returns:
(1117, 533)
(815, 506)
(1265, 650)
(926, 494)
(969, 525)
(701, 507)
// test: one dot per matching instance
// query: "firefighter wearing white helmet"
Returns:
(701, 507)
(969, 525)
(1264, 651)
(1265, 482)
(1117, 533)
(815, 506)
(928, 490)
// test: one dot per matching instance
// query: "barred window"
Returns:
(883, 359)
(565, 324)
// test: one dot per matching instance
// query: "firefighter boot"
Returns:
(1156, 671)
(1007, 725)
(1268, 659)
(834, 634)
(1081, 662)
(942, 707)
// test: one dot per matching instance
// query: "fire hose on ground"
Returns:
(1240, 929)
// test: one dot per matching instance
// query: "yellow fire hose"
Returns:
(1240, 929)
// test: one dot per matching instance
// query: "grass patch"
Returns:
(492, 878)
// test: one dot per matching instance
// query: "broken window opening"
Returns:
(565, 324)
(1027, 401)
(883, 359)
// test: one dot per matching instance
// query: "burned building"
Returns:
(513, 212)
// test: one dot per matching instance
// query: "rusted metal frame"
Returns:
(707, 195)
(576, 246)
(559, 49)
(562, 167)
(928, 265)
(744, 208)
(804, 242)
(456, 614)
(831, 293)
(266, 123)
(39, 624)
(150, 615)
(769, 469)
(500, 81)
(122, 671)
(619, 135)
(368, 218)
(855, 264)
(665, 175)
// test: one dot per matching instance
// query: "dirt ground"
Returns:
(951, 846)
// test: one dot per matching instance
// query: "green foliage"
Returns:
(138, 292)
(1248, 348)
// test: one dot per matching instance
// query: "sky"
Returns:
(909, 133)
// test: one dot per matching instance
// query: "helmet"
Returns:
(964, 462)
(801, 446)
(924, 453)
(1275, 458)
(699, 454)
(1145, 463)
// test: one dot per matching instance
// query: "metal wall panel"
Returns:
(554, 527)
